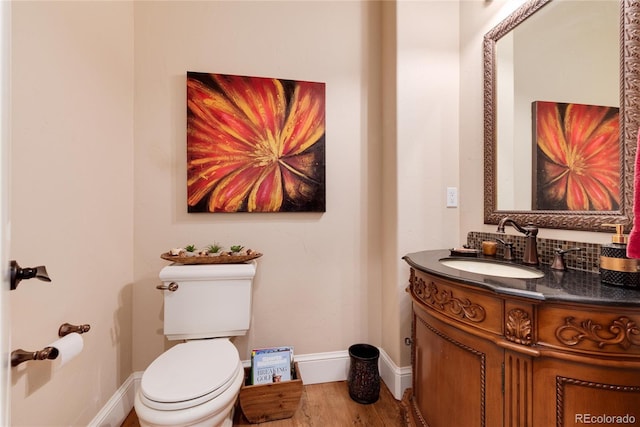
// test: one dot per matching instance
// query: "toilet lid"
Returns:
(191, 371)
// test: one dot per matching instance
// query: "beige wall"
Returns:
(318, 285)
(71, 202)
(98, 173)
(425, 153)
(327, 273)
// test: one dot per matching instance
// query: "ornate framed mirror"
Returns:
(522, 180)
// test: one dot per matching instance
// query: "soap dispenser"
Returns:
(615, 268)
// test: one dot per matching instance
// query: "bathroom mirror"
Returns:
(509, 154)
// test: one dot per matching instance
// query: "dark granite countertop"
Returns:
(572, 286)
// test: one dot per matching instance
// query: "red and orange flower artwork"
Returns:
(577, 161)
(255, 144)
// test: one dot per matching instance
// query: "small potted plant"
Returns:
(214, 250)
(190, 250)
(235, 249)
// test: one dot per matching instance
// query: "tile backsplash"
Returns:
(588, 259)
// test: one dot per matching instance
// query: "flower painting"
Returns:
(255, 144)
(577, 157)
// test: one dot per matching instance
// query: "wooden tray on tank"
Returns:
(220, 259)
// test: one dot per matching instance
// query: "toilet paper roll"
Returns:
(67, 347)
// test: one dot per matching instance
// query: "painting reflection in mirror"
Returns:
(577, 157)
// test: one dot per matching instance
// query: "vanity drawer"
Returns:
(474, 308)
(590, 330)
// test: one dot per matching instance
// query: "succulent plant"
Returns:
(236, 248)
(190, 248)
(214, 249)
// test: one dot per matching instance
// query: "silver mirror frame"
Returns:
(629, 123)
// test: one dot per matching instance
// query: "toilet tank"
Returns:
(212, 300)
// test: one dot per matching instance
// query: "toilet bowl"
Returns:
(194, 383)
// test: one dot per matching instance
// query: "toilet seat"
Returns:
(216, 412)
(190, 374)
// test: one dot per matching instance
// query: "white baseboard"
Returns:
(315, 368)
(397, 378)
(118, 407)
(327, 367)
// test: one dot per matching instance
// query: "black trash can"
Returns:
(364, 379)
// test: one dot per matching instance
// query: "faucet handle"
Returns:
(564, 251)
(508, 250)
(558, 259)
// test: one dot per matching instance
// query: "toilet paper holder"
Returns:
(48, 353)
(68, 328)
(18, 356)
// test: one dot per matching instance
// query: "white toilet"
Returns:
(196, 383)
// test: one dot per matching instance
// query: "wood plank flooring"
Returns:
(328, 405)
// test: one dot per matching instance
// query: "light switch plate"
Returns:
(452, 197)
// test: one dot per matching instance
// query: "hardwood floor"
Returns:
(327, 405)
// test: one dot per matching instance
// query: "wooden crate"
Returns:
(268, 402)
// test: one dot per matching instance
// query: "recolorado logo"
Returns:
(605, 419)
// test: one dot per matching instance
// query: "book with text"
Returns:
(269, 365)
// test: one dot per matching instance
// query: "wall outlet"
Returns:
(452, 197)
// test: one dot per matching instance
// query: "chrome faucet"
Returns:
(530, 232)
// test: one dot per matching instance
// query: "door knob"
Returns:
(18, 273)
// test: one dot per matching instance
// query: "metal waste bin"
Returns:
(364, 379)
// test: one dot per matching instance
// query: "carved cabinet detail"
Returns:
(444, 300)
(518, 327)
(622, 332)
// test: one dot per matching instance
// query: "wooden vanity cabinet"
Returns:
(486, 359)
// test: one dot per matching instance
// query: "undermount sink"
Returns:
(492, 268)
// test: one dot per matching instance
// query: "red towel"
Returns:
(633, 245)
